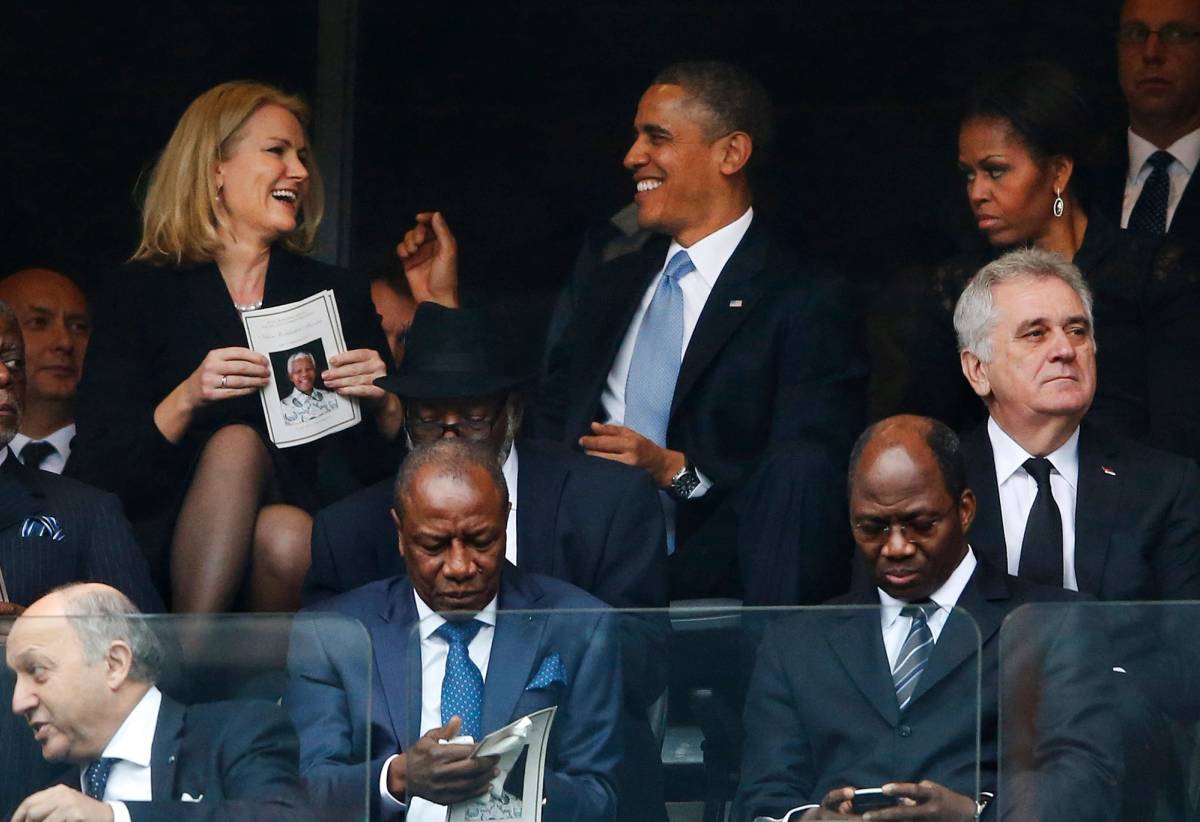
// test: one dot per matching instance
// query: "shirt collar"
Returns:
(429, 621)
(134, 740)
(945, 597)
(60, 439)
(1008, 456)
(1185, 150)
(710, 254)
(509, 470)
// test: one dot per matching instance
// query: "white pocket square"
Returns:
(187, 797)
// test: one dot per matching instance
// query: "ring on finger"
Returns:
(224, 379)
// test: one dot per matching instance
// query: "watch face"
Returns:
(685, 483)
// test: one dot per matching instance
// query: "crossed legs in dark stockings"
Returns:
(231, 525)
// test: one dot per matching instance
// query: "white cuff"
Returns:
(120, 812)
(389, 802)
(701, 489)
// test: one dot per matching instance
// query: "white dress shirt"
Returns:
(896, 627)
(129, 779)
(433, 670)
(1018, 490)
(60, 439)
(510, 528)
(1185, 150)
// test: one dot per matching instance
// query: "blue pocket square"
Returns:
(552, 670)
(42, 525)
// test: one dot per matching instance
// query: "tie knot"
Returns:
(1160, 159)
(678, 265)
(1038, 468)
(459, 633)
(920, 610)
(35, 453)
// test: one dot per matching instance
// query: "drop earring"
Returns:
(1059, 205)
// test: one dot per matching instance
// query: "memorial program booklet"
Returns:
(530, 736)
(298, 338)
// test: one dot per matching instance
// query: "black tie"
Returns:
(1042, 547)
(1149, 215)
(35, 453)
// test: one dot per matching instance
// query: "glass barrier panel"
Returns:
(1099, 709)
(157, 711)
(711, 712)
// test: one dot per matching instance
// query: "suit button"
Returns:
(904, 731)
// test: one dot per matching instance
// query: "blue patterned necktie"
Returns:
(462, 685)
(95, 777)
(914, 654)
(1149, 215)
(654, 367)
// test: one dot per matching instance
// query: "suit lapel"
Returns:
(19, 498)
(1095, 506)
(858, 644)
(164, 751)
(399, 682)
(975, 619)
(987, 531)
(719, 320)
(540, 483)
(515, 649)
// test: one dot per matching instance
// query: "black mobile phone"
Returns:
(872, 799)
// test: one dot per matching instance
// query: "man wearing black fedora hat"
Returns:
(595, 524)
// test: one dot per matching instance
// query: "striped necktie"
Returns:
(914, 654)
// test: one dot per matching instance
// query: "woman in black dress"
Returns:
(169, 416)
(1024, 144)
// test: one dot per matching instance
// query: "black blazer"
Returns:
(1137, 524)
(239, 759)
(822, 712)
(154, 325)
(773, 360)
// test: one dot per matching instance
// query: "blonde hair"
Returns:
(179, 218)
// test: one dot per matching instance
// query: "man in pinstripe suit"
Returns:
(53, 530)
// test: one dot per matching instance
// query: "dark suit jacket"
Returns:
(1137, 529)
(592, 523)
(328, 693)
(154, 326)
(238, 758)
(822, 712)
(773, 360)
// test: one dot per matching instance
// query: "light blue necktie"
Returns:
(914, 654)
(654, 368)
(462, 685)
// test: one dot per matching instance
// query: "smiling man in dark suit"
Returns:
(1062, 502)
(451, 508)
(714, 344)
(907, 695)
(86, 665)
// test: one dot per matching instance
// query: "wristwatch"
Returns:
(685, 482)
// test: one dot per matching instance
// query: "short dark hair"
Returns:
(455, 457)
(733, 97)
(1046, 106)
(942, 441)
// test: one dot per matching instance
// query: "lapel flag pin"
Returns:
(735, 303)
(1108, 470)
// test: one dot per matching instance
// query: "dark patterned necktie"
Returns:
(35, 453)
(1042, 545)
(914, 653)
(462, 684)
(95, 777)
(1149, 215)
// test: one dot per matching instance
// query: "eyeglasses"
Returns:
(469, 427)
(1172, 34)
(913, 528)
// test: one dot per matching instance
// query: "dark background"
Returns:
(513, 118)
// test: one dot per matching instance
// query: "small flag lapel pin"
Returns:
(1108, 470)
(735, 303)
